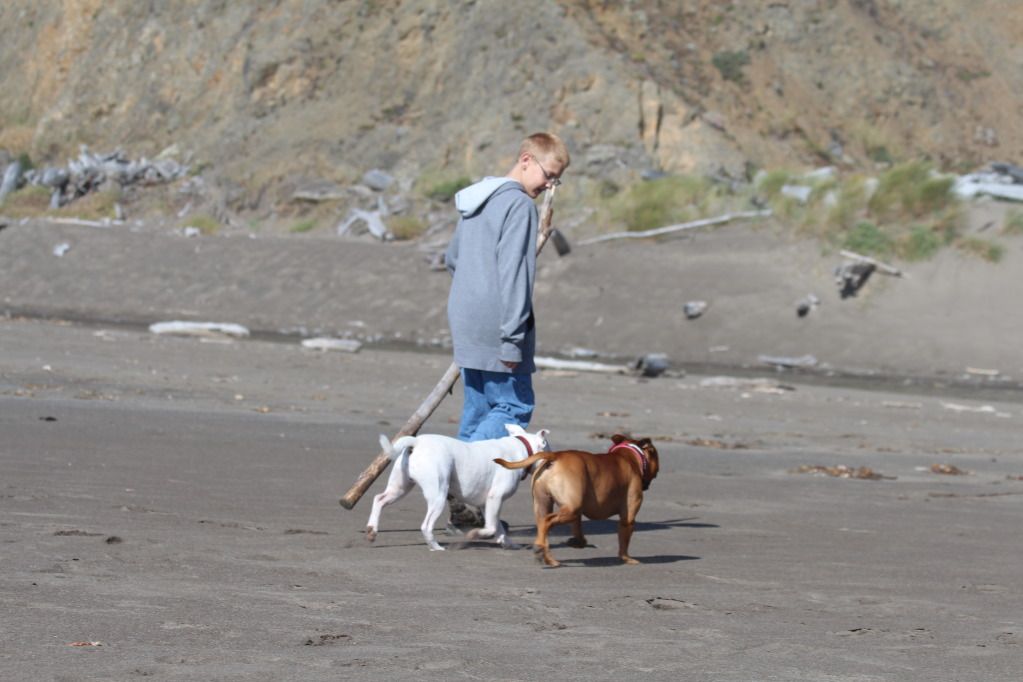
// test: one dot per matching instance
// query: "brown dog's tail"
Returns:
(527, 462)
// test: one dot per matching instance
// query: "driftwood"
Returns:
(10, 179)
(727, 218)
(374, 223)
(579, 366)
(90, 171)
(883, 267)
(443, 387)
(106, 222)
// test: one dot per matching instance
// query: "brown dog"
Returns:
(597, 486)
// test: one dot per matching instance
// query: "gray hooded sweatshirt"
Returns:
(492, 259)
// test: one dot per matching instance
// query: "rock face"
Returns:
(270, 94)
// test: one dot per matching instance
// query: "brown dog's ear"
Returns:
(618, 438)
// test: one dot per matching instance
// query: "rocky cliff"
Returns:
(266, 96)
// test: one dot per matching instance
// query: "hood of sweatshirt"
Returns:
(469, 200)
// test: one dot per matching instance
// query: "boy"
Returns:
(492, 259)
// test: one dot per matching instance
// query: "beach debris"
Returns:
(806, 305)
(319, 191)
(11, 179)
(82, 644)
(373, 220)
(608, 413)
(788, 362)
(90, 172)
(328, 639)
(325, 344)
(377, 179)
(200, 329)
(705, 222)
(1002, 181)
(652, 364)
(579, 365)
(192, 231)
(757, 385)
(693, 309)
(948, 470)
(897, 404)
(981, 409)
(881, 266)
(851, 276)
(578, 352)
(60, 249)
(715, 443)
(977, 371)
(800, 193)
(840, 471)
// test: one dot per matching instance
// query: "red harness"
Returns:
(644, 463)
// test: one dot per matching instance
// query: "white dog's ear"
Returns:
(514, 429)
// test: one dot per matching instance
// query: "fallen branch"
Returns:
(883, 267)
(579, 365)
(106, 222)
(443, 387)
(704, 222)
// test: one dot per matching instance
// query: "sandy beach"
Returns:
(169, 506)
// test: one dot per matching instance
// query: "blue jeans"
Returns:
(493, 399)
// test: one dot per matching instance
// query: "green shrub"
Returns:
(982, 248)
(1013, 223)
(773, 181)
(405, 226)
(731, 65)
(911, 190)
(920, 244)
(868, 238)
(95, 205)
(850, 203)
(205, 223)
(28, 202)
(303, 226)
(661, 202)
(444, 190)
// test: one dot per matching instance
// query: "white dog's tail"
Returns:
(399, 446)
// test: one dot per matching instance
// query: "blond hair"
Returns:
(546, 146)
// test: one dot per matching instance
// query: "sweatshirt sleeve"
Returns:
(516, 260)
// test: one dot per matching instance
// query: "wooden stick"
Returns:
(443, 387)
(883, 267)
(728, 217)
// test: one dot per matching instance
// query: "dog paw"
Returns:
(436, 548)
(371, 534)
(629, 560)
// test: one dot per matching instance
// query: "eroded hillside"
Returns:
(267, 96)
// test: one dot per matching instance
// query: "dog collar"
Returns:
(529, 453)
(644, 463)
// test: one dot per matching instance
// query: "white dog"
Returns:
(442, 465)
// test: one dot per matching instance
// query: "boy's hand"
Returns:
(509, 365)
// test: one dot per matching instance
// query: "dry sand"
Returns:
(174, 501)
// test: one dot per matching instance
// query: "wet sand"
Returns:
(176, 502)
